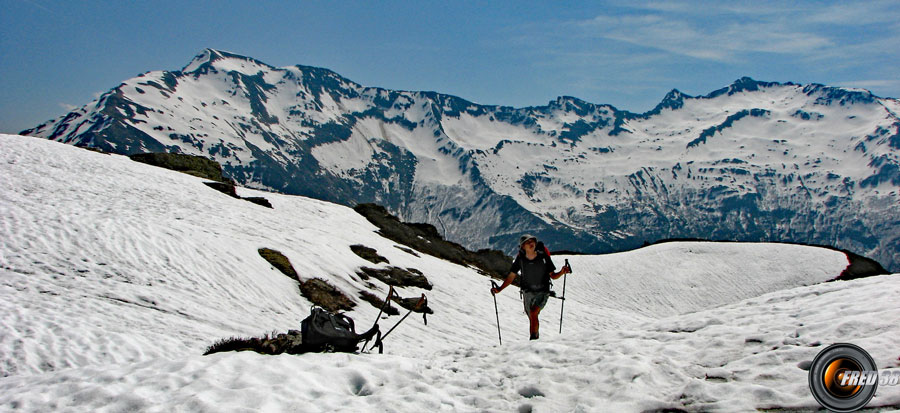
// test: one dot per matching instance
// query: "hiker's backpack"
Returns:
(326, 331)
(542, 284)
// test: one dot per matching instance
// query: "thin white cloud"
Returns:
(857, 13)
(67, 107)
(699, 38)
(38, 5)
(872, 84)
(631, 48)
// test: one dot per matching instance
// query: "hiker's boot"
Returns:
(534, 336)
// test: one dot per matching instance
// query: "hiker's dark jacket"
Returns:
(535, 274)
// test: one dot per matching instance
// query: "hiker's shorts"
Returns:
(535, 299)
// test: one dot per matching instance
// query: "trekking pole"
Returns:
(415, 307)
(383, 306)
(563, 306)
(494, 285)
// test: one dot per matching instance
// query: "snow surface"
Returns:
(115, 276)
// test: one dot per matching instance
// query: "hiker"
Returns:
(534, 262)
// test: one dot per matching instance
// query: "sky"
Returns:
(56, 55)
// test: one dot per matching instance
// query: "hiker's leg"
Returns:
(533, 321)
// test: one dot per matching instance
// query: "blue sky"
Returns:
(57, 54)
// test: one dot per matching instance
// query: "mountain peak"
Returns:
(562, 100)
(673, 100)
(206, 58)
(572, 104)
(744, 84)
(674, 94)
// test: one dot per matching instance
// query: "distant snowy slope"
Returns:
(681, 277)
(752, 161)
(115, 276)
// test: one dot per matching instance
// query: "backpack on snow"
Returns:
(544, 284)
(326, 331)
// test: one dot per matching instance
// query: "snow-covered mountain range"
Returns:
(116, 275)
(752, 161)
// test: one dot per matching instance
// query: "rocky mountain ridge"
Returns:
(754, 161)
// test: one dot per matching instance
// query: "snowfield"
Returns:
(115, 276)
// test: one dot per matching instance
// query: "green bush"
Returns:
(194, 165)
(279, 261)
(325, 295)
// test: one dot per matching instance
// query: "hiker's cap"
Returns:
(525, 238)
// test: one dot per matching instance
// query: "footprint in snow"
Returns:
(359, 385)
(530, 391)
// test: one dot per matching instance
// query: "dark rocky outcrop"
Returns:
(426, 239)
(396, 276)
(860, 267)
(368, 254)
(189, 164)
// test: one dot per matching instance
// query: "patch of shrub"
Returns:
(279, 261)
(290, 343)
(396, 276)
(325, 295)
(190, 164)
(378, 302)
(425, 238)
(368, 254)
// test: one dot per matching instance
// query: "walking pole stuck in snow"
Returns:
(383, 305)
(422, 301)
(563, 306)
(493, 284)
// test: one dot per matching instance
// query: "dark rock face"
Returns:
(396, 276)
